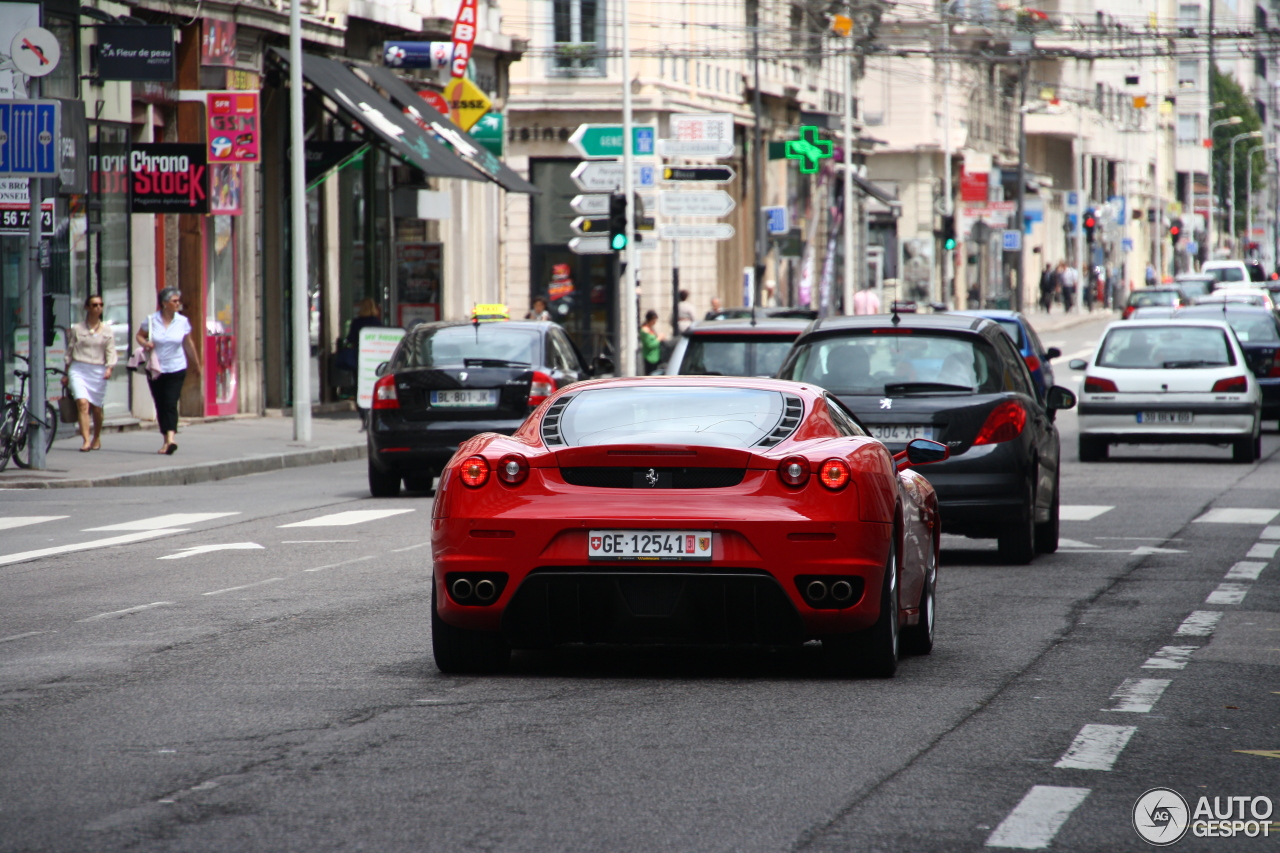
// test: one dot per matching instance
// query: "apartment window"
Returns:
(578, 36)
(1188, 128)
(1188, 72)
(1260, 66)
(1188, 16)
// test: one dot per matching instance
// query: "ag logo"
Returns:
(1161, 816)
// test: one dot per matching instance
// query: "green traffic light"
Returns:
(949, 244)
(619, 242)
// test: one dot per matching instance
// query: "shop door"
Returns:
(220, 308)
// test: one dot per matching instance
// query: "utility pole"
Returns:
(627, 314)
(948, 208)
(758, 165)
(298, 227)
(1019, 223)
(847, 290)
(35, 301)
(1082, 197)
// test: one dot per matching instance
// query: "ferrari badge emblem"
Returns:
(886, 403)
(652, 478)
(596, 541)
(704, 543)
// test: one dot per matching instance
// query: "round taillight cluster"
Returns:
(513, 469)
(474, 471)
(834, 474)
(794, 470)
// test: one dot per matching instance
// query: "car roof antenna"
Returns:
(753, 312)
(893, 309)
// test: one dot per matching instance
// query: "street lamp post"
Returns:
(1231, 223)
(1248, 194)
(1208, 225)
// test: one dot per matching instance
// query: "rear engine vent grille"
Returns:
(790, 420)
(551, 422)
(662, 478)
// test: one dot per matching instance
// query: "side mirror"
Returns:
(381, 369)
(1052, 352)
(1059, 398)
(601, 364)
(921, 451)
(1077, 364)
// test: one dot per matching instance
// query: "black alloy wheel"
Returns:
(1047, 532)
(382, 485)
(874, 651)
(1092, 449)
(459, 651)
(1017, 541)
(918, 639)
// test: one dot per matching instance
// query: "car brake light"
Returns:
(1098, 385)
(1128, 309)
(1234, 385)
(513, 468)
(475, 471)
(794, 470)
(384, 393)
(834, 474)
(541, 387)
(1005, 423)
(1033, 363)
(1275, 367)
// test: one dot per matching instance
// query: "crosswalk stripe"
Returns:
(1096, 747)
(125, 539)
(1138, 695)
(1263, 551)
(1082, 512)
(177, 519)
(1271, 532)
(1035, 821)
(1170, 657)
(1228, 593)
(1199, 624)
(1235, 515)
(1245, 571)
(23, 520)
(353, 516)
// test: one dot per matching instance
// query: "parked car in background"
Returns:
(1258, 331)
(1028, 343)
(776, 311)
(1155, 312)
(734, 347)
(1242, 294)
(1224, 272)
(1194, 285)
(1256, 270)
(1151, 297)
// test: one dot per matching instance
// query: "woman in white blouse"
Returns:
(91, 354)
(169, 334)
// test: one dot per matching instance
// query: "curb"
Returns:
(206, 472)
(1072, 320)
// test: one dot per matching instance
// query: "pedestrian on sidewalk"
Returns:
(91, 354)
(685, 316)
(865, 301)
(1067, 277)
(714, 313)
(650, 342)
(1048, 286)
(169, 334)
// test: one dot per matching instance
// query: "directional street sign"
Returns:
(708, 203)
(591, 245)
(597, 204)
(720, 231)
(29, 138)
(605, 140)
(1012, 240)
(694, 147)
(713, 174)
(587, 225)
(776, 219)
(597, 176)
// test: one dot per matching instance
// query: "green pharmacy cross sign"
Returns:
(808, 149)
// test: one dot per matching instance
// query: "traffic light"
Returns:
(948, 232)
(1089, 222)
(1175, 231)
(617, 222)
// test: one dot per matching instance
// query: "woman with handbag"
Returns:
(166, 335)
(91, 354)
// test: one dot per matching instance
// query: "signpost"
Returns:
(591, 245)
(1012, 240)
(595, 141)
(776, 219)
(136, 52)
(606, 176)
(706, 203)
(588, 225)
(710, 174)
(718, 231)
(467, 103)
(30, 131)
(694, 148)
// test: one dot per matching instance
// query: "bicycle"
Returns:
(16, 418)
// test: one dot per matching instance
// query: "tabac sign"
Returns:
(168, 178)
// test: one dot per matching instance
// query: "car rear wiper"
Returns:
(897, 389)
(493, 362)
(1193, 362)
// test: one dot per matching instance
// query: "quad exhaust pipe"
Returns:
(485, 590)
(842, 591)
(476, 588)
(816, 591)
(462, 589)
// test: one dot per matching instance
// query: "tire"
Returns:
(1244, 450)
(460, 651)
(874, 651)
(383, 485)
(8, 423)
(53, 417)
(1017, 542)
(1047, 532)
(918, 639)
(18, 440)
(1092, 449)
(420, 482)
(1257, 445)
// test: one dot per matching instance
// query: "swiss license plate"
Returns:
(1165, 417)
(649, 545)
(466, 398)
(900, 432)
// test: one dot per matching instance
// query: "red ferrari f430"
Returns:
(701, 510)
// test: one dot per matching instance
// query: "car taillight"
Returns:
(1275, 367)
(541, 387)
(1005, 423)
(384, 393)
(1033, 363)
(1098, 385)
(474, 471)
(794, 470)
(1234, 385)
(1128, 309)
(834, 474)
(512, 469)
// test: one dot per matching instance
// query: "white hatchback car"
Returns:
(1169, 382)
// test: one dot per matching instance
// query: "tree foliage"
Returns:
(1235, 102)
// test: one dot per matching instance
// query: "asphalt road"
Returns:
(279, 695)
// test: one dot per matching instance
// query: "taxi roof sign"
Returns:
(490, 313)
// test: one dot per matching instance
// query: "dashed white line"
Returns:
(314, 541)
(1245, 571)
(23, 636)
(1228, 593)
(1035, 821)
(1263, 552)
(1170, 657)
(410, 548)
(246, 586)
(1238, 515)
(126, 611)
(1199, 624)
(1081, 512)
(23, 520)
(1138, 695)
(342, 519)
(177, 519)
(1096, 747)
(343, 563)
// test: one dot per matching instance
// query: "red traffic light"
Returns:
(1089, 222)
(1175, 230)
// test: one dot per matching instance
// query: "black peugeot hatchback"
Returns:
(449, 381)
(958, 380)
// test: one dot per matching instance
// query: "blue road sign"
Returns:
(29, 140)
(1012, 240)
(643, 141)
(776, 220)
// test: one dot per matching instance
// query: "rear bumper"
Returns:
(1204, 428)
(400, 445)
(981, 489)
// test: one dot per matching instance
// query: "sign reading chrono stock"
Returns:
(168, 178)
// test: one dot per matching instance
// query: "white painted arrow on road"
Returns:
(208, 549)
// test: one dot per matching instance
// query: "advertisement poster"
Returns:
(218, 43)
(418, 273)
(135, 52)
(377, 343)
(15, 209)
(168, 178)
(224, 189)
(233, 127)
(14, 18)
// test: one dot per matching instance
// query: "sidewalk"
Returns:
(206, 451)
(1058, 320)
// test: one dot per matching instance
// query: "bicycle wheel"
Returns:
(52, 417)
(8, 424)
(18, 442)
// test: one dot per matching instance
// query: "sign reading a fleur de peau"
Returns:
(808, 149)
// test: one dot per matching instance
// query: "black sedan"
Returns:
(447, 382)
(958, 380)
(1258, 331)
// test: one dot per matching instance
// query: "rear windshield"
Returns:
(890, 364)
(715, 417)
(1165, 347)
(1152, 298)
(1194, 287)
(735, 355)
(486, 344)
(1226, 274)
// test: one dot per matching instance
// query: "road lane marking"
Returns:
(1245, 571)
(1147, 550)
(1272, 532)
(1170, 657)
(314, 541)
(23, 520)
(1263, 552)
(1073, 543)
(342, 519)
(1199, 624)
(1232, 515)
(1138, 695)
(1228, 593)
(208, 549)
(343, 563)
(1082, 512)
(1035, 821)
(124, 539)
(410, 548)
(246, 586)
(1096, 747)
(177, 519)
(23, 636)
(126, 611)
